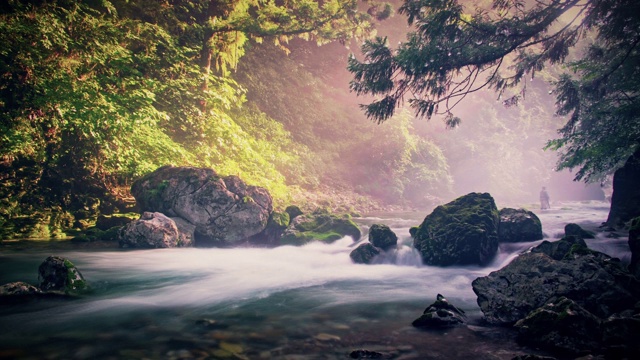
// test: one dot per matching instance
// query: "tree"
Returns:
(452, 53)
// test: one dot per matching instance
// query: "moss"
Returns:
(308, 236)
(279, 219)
(247, 199)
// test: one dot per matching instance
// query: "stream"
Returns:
(308, 302)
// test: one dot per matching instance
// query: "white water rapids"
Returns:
(295, 300)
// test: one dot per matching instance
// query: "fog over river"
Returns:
(308, 302)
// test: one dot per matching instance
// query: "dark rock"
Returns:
(57, 274)
(365, 354)
(557, 250)
(462, 232)
(575, 230)
(533, 357)
(561, 326)
(382, 237)
(105, 223)
(625, 201)
(440, 314)
(270, 236)
(18, 289)
(413, 231)
(155, 230)
(224, 210)
(620, 335)
(293, 211)
(634, 246)
(319, 226)
(519, 225)
(594, 280)
(364, 253)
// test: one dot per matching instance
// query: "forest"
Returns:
(96, 93)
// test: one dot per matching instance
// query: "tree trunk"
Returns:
(625, 201)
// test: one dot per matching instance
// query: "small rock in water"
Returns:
(365, 354)
(440, 314)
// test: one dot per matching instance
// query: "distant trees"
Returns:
(452, 53)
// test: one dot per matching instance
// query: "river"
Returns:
(308, 302)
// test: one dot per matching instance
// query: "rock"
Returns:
(365, 354)
(293, 211)
(519, 225)
(57, 274)
(105, 223)
(634, 246)
(575, 230)
(270, 236)
(94, 234)
(462, 232)
(382, 237)
(155, 230)
(440, 314)
(593, 280)
(319, 226)
(620, 335)
(557, 250)
(625, 201)
(18, 289)
(364, 253)
(532, 357)
(224, 210)
(561, 326)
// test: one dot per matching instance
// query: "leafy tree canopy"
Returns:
(454, 50)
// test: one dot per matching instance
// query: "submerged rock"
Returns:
(224, 210)
(440, 314)
(57, 274)
(155, 230)
(382, 236)
(319, 226)
(519, 225)
(364, 253)
(462, 232)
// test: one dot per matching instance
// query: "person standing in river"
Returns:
(544, 199)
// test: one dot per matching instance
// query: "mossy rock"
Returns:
(57, 274)
(364, 253)
(95, 234)
(319, 226)
(382, 236)
(462, 232)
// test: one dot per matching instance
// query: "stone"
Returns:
(634, 246)
(625, 200)
(364, 253)
(462, 232)
(154, 230)
(293, 211)
(382, 237)
(440, 314)
(18, 288)
(575, 230)
(57, 274)
(561, 326)
(225, 210)
(519, 225)
(319, 226)
(365, 354)
(270, 236)
(557, 250)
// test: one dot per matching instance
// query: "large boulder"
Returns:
(319, 226)
(634, 246)
(364, 253)
(519, 225)
(440, 314)
(155, 230)
(57, 274)
(224, 210)
(462, 232)
(593, 280)
(625, 201)
(382, 236)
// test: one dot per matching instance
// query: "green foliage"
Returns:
(454, 50)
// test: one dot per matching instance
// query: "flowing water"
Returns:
(308, 302)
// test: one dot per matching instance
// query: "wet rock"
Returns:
(270, 236)
(382, 237)
(57, 274)
(634, 246)
(593, 280)
(364, 253)
(319, 226)
(365, 354)
(155, 230)
(575, 230)
(440, 314)
(224, 210)
(620, 335)
(18, 289)
(519, 225)
(561, 326)
(557, 250)
(462, 232)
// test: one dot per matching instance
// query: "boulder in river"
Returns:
(57, 274)
(364, 253)
(319, 226)
(155, 230)
(519, 225)
(224, 210)
(382, 236)
(440, 314)
(462, 232)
